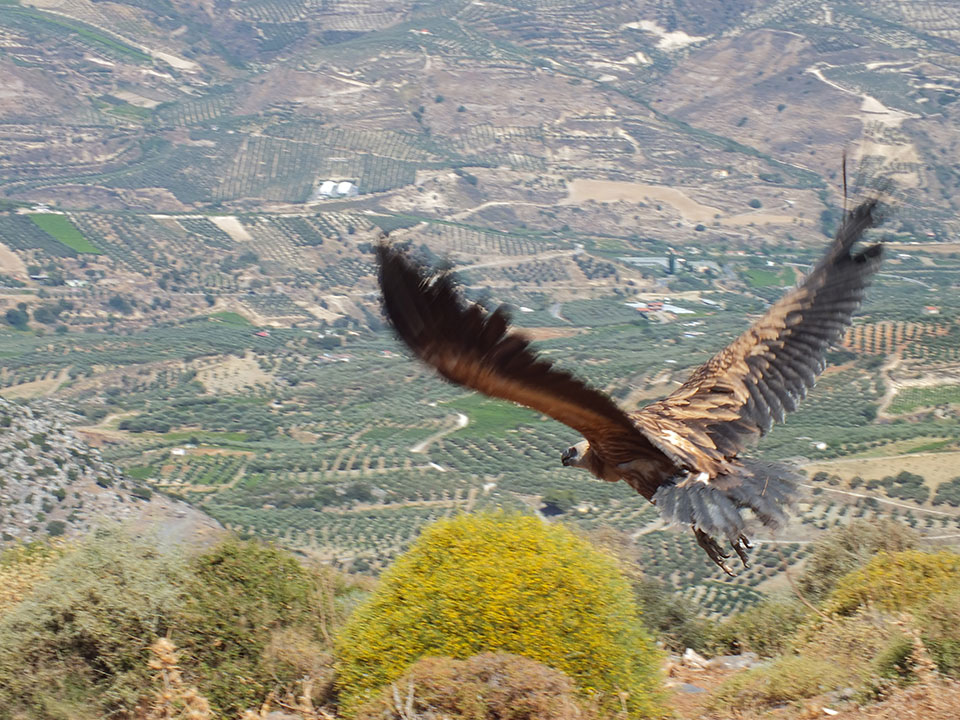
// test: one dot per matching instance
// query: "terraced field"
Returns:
(183, 283)
(315, 437)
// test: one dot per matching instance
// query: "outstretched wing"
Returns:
(471, 347)
(753, 382)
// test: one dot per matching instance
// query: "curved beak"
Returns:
(568, 456)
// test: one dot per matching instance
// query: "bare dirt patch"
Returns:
(317, 311)
(549, 333)
(610, 191)
(232, 227)
(668, 40)
(135, 99)
(937, 248)
(10, 263)
(762, 219)
(302, 436)
(935, 467)
(233, 375)
(37, 388)
(220, 451)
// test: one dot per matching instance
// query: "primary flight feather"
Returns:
(683, 452)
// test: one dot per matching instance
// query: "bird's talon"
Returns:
(741, 546)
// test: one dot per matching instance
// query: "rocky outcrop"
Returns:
(53, 483)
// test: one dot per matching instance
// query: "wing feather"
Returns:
(764, 373)
(471, 347)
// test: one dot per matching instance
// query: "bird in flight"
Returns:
(682, 453)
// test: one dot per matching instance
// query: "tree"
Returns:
(557, 502)
(17, 318)
(503, 583)
(44, 314)
(120, 304)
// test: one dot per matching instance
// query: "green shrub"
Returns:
(765, 628)
(853, 642)
(241, 597)
(671, 617)
(895, 661)
(823, 655)
(76, 631)
(490, 686)
(898, 581)
(939, 623)
(508, 583)
(847, 548)
(78, 646)
(789, 678)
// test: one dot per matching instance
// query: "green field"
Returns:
(59, 25)
(768, 278)
(211, 437)
(64, 231)
(230, 318)
(491, 417)
(912, 399)
(125, 110)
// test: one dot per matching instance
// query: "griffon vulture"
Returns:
(683, 452)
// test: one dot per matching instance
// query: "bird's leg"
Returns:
(741, 546)
(713, 550)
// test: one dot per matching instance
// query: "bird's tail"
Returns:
(766, 489)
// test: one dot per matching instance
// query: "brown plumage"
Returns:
(683, 452)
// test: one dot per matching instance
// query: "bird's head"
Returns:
(576, 455)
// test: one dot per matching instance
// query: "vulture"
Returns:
(682, 453)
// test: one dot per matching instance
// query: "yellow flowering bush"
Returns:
(503, 583)
(897, 581)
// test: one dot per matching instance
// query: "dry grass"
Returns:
(10, 263)
(935, 699)
(23, 568)
(935, 467)
(606, 191)
(36, 388)
(174, 701)
(233, 374)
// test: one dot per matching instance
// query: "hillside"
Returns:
(54, 484)
(112, 625)
(171, 277)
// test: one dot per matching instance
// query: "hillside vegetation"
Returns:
(487, 616)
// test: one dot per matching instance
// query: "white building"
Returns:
(335, 189)
(347, 189)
